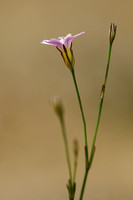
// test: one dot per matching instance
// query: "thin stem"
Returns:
(97, 124)
(75, 169)
(84, 183)
(66, 147)
(100, 105)
(107, 70)
(82, 114)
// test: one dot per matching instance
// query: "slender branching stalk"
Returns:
(83, 117)
(76, 151)
(71, 184)
(100, 105)
(97, 124)
(66, 147)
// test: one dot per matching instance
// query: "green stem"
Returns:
(108, 63)
(82, 114)
(66, 147)
(75, 169)
(97, 125)
(100, 106)
(84, 183)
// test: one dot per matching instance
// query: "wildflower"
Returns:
(112, 33)
(64, 45)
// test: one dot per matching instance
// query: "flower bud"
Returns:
(112, 33)
(58, 106)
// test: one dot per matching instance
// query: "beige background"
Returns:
(32, 159)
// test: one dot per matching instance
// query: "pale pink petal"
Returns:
(54, 42)
(82, 33)
(62, 41)
(68, 39)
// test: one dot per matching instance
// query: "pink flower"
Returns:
(64, 45)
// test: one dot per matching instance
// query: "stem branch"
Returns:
(97, 125)
(66, 147)
(100, 105)
(82, 114)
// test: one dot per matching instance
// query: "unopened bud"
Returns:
(112, 32)
(57, 104)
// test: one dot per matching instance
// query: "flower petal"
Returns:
(68, 39)
(54, 42)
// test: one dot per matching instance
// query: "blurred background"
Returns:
(32, 157)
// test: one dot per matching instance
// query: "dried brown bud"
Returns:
(112, 32)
